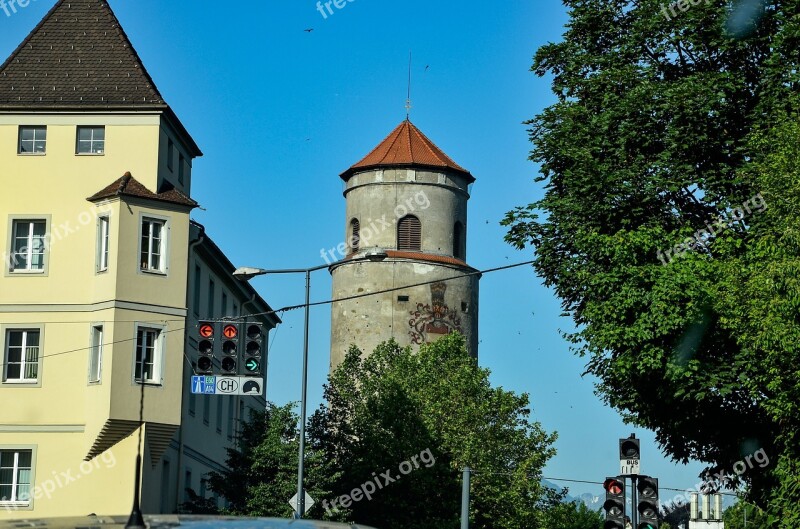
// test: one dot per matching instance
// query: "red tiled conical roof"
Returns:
(406, 146)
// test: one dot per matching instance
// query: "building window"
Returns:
(28, 246)
(211, 298)
(409, 233)
(225, 304)
(181, 164)
(102, 243)
(202, 488)
(32, 140)
(96, 355)
(192, 400)
(196, 300)
(458, 241)
(187, 485)
(153, 245)
(22, 356)
(15, 477)
(206, 409)
(230, 417)
(355, 235)
(91, 140)
(148, 356)
(219, 415)
(170, 153)
(235, 310)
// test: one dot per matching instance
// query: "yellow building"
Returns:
(104, 279)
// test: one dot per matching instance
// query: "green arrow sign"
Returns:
(252, 365)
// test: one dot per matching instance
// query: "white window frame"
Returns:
(103, 242)
(92, 141)
(15, 503)
(6, 334)
(10, 262)
(163, 267)
(159, 344)
(97, 338)
(35, 128)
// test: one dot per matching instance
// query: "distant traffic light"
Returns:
(614, 505)
(253, 350)
(230, 347)
(630, 448)
(205, 348)
(648, 502)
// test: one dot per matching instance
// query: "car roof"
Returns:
(171, 521)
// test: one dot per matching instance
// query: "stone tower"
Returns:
(409, 198)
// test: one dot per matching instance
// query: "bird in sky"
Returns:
(427, 66)
(309, 30)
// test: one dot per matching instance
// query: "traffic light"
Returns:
(230, 347)
(205, 348)
(614, 505)
(629, 448)
(648, 502)
(253, 350)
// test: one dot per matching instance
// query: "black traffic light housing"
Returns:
(253, 356)
(630, 448)
(648, 502)
(205, 347)
(614, 505)
(229, 334)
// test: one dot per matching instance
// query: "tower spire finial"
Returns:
(408, 99)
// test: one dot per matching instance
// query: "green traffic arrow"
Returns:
(252, 365)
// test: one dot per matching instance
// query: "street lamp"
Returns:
(247, 273)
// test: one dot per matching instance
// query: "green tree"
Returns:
(262, 469)
(574, 515)
(662, 126)
(736, 515)
(393, 405)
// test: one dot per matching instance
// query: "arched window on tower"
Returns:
(355, 235)
(458, 241)
(409, 233)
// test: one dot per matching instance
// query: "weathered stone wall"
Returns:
(411, 315)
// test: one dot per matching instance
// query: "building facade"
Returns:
(409, 199)
(103, 277)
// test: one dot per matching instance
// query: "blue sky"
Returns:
(280, 112)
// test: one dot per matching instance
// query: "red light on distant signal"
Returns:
(613, 486)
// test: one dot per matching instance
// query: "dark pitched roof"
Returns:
(78, 56)
(406, 146)
(128, 186)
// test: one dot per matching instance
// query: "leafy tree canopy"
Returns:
(394, 404)
(669, 230)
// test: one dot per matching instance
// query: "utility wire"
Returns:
(292, 307)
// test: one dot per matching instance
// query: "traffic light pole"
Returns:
(634, 503)
(301, 493)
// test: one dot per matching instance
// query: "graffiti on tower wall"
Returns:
(431, 321)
